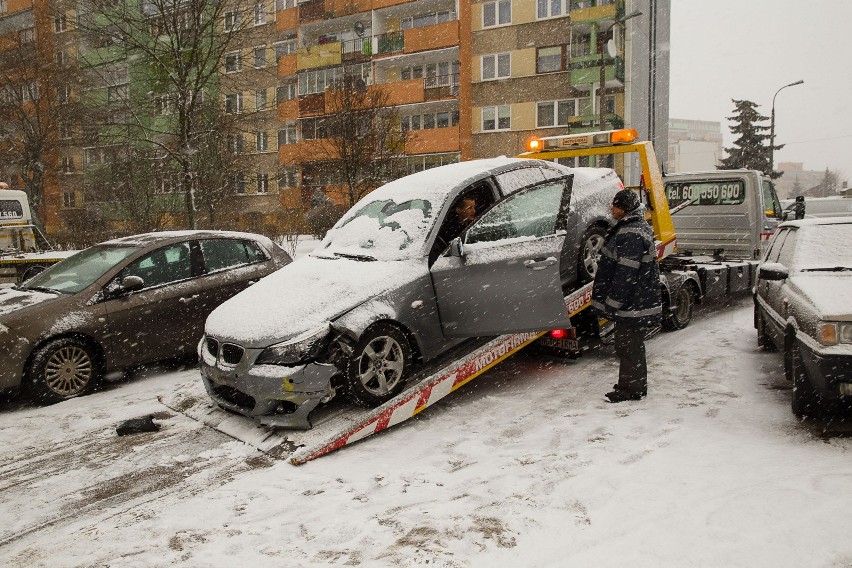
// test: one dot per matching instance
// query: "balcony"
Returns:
(324, 55)
(586, 70)
(445, 34)
(287, 19)
(287, 65)
(311, 10)
(441, 87)
(355, 50)
(432, 141)
(595, 10)
(288, 110)
(392, 42)
(404, 92)
(338, 8)
(312, 104)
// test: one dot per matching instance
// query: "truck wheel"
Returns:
(590, 253)
(62, 369)
(30, 272)
(806, 401)
(678, 313)
(763, 340)
(379, 366)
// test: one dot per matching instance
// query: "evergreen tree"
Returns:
(752, 149)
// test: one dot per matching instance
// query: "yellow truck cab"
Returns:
(16, 228)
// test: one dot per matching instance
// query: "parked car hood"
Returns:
(830, 292)
(304, 295)
(13, 299)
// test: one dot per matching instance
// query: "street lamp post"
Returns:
(772, 126)
(601, 45)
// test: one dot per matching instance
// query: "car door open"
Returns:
(502, 275)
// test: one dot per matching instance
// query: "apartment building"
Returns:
(467, 79)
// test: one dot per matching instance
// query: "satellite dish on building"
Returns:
(611, 48)
(359, 28)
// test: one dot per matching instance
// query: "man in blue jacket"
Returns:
(627, 291)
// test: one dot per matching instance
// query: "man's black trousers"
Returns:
(630, 348)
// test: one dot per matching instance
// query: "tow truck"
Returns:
(337, 424)
(24, 250)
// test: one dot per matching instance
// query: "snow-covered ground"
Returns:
(525, 466)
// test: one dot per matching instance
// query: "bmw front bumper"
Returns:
(273, 395)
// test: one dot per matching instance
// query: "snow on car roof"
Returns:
(147, 238)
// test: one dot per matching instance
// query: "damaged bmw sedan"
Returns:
(400, 280)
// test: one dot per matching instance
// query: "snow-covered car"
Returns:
(390, 287)
(803, 306)
(124, 302)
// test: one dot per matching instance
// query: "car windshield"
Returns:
(823, 246)
(79, 271)
(380, 230)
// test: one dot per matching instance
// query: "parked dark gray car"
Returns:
(124, 302)
(803, 306)
(391, 286)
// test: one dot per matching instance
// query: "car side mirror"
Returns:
(772, 271)
(785, 215)
(131, 284)
(457, 247)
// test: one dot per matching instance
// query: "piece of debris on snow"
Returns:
(137, 426)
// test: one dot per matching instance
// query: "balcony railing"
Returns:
(441, 86)
(357, 49)
(392, 42)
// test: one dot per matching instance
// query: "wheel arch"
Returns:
(99, 352)
(413, 343)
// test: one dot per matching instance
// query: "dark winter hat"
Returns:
(626, 200)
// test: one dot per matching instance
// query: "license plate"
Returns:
(566, 344)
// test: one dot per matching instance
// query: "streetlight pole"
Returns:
(772, 126)
(601, 45)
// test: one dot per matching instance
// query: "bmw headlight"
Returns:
(832, 333)
(301, 349)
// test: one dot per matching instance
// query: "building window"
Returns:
(263, 183)
(163, 105)
(419, 163)
(4, 7)
(311, 82)
(496, 13)
(555, 113)
(261, 141)
(581, 44)
(427, 19)
(287, 135)
(64, 130)
(287, 91)
(66, 165)
(235, 143)
(313, 128)
(234, 103)
(496, 66)
(440, 119)
(26, 36)
(69, 200)
(60, 23)
(285, 47)
(230, 21)
(259, 13)
(288, 176)
(62, 58)
(496, 118)
(551, 8)
(237, 183)
(550, 59)
(260, 100)
(284, 4)
(260, 56)
(233, 62)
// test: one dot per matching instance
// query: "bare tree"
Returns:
(32, 105)
(175, 49)
(360, 140)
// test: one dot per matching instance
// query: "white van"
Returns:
(723, 213)
(836, 206)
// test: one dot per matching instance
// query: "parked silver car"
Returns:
(391, 286)
(123, 302)
(803, 306)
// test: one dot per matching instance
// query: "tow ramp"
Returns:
(339, 423)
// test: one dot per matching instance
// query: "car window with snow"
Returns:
(81, 270)
(821, 246)
(383, 229)
(531, 213)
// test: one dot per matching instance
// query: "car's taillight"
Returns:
(563, 333)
